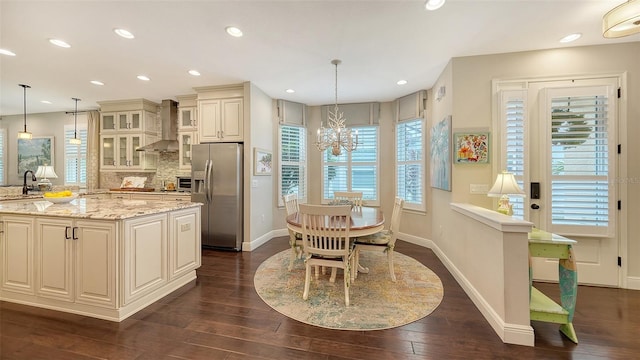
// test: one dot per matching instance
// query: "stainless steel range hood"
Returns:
(169, 122)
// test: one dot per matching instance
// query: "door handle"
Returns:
(535, 206)
(73, 233)
(66, 232)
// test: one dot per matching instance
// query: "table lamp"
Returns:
(44, 172)
(504, 186)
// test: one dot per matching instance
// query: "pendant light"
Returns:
(622, 20)
(25, 134)
(75, 140)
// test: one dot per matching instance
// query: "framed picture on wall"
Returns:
(34, 152)
(441, 154)
(262, 162)
(471, 147)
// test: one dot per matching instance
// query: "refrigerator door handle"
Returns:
(206, 180)
(210, 181)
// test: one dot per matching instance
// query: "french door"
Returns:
(560, 139)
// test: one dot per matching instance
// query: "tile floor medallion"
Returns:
(376, 302)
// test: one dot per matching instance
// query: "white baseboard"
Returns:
(508, 333)
(633, 282)
(252, 245)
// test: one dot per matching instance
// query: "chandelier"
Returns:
(336, 136)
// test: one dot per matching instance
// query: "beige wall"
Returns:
(471, 97)
(261, 188)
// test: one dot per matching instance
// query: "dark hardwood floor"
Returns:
(219, 316)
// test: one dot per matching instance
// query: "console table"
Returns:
(542, 308)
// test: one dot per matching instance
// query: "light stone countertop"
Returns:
(101, 209)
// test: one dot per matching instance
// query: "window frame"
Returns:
(349, 164)
(82, 152)
(302, 195)
(409, 205)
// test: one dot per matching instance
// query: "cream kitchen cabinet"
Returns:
(221, 120)
(185, 140)
(97, 257)
(122, 121)
(76, 261)
(17, 238)
(187, 112)
(187, 119)
(176, 196)
(133, 116)
(118, 152)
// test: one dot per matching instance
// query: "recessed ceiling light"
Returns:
(45, 101)
(290, 91)
(570, 38)
(96, 82)
(434, 4)
(58, 42)
(7, 52)
(143, 77)
(194, 72)
(233, 31)
(402, 82)
(124, 33)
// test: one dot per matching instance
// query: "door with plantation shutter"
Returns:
(563, 135)
(573, 133)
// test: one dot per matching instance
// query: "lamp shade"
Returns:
(46, 171)
(622, 20)
(505, 184)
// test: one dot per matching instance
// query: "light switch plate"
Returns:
(479, 188)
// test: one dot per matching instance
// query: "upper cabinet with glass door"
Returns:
(133, 116)
(187, 116)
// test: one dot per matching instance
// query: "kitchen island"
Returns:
(104, 258)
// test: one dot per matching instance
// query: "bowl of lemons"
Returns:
(59, 197)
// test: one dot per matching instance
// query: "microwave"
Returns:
(183, 183)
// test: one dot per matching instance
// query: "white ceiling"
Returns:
(286, 44)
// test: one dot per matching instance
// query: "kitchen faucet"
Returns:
(25, 188)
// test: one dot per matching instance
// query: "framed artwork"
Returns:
(34, 152)
(471, 147)
(262, 162)
(441, 154)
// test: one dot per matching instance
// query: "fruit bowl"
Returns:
(61, 199)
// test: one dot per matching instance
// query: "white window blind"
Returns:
(514, 107)
(409, 163)
(356, 170)
(580, 161)
(293, 162)
(75, 158)
(3, 156)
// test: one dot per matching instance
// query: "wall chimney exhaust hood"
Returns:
(169, 122)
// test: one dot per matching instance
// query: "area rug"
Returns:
(376, 302)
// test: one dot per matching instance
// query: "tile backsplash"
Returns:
(168, 169)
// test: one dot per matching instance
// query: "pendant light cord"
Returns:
(75, 120)
(24, 96)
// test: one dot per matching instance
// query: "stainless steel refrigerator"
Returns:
(216, 181)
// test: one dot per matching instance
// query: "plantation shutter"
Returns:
(580, 172)
(514, 138)
(409, 163)
(293, 162)
(356, 170)
(75, 168)
(3, 156)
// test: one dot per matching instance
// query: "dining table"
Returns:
(364, 221)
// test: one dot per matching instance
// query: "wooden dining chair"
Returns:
(295, 238)
(354, 197)
(325, 239)
(384, 240)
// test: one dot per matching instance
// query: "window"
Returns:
(3, 156)
(293, 162)
(514, 106)
(353, 171)
(579, 161)
(409, 163)
(75, 157)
